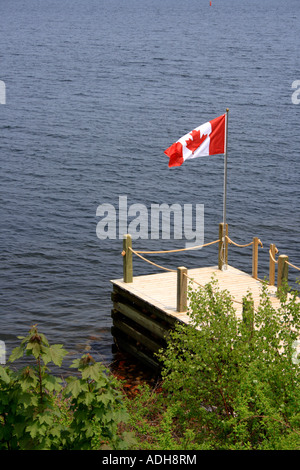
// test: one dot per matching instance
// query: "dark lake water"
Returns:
(95, 92)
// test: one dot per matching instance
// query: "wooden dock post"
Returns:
(255, 257)
(273, 251)
(127, 259)
(181, 289)
(221, 261)
(283, 270)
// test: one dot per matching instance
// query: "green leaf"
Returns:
(88, 399)
(105, 398)
(45, 418)
(28, 399)
(4, 375)
(75, 364)
(16, 353)
(51, 383)
(33, 429)
(35, 349)
(57, 353)
(92, 371)
(73, 387)
(88, 428)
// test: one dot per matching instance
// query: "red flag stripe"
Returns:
(217, 136)
(175, 153)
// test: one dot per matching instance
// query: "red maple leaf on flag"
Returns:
(195, 141)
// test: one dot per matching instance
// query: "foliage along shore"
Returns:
(227, 384)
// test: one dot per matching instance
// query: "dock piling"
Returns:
(273, 251)
(127, 259)
(255, 257)
(283, 270)
(181, 289)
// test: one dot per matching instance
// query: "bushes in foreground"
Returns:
(238, 379)
(227, 383)
(38, 412)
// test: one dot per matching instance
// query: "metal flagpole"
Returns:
(224, 265)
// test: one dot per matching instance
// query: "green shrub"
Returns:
(227, 383)
(236, 377)
(38, 412)
(153, 421)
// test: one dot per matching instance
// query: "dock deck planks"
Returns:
(160, 289)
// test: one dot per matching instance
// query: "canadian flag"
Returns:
(207, 139)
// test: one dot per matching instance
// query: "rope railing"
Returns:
(220, 240)
(181, 294)
(276, 261)
(182, 276)
(196, 247)
(282, 266)
(243, 246)
(293, 266)
(137, 253)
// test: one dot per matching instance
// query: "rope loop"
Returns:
(272, 257)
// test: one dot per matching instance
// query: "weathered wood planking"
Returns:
(160, 290)
(145, 309)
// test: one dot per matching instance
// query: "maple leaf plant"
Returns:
(30, 417)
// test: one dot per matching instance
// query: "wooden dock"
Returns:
(145, 310)
(147, 307)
